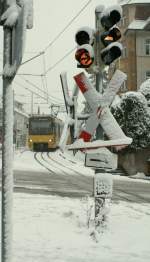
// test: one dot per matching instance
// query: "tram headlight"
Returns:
(30, 140)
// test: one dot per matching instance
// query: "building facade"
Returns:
(20, 130)
(135, 28)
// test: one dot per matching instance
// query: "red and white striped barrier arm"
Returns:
(101, 115)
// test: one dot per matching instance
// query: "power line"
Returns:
(30, 59)
(37, 94)
(60, 60)
(27, 74)
(35, 86)
(44, 78)
(29, 89)
(63, 30)
(70, 22)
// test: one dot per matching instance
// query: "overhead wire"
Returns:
(37, 94)
(44, 78)
(59, 34)
(32, 58)
(45, 49)
(60, 60)
(66, 27)
(16, 82)
(35, 86)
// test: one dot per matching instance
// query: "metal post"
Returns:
(72, 114)
(99, 75)
(7, 154)
(31, 103)
(99, 202)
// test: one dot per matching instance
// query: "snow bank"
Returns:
(140, 175)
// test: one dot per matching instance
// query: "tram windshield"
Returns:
(41, 126)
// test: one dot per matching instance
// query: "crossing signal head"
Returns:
(111, 16)
(111, 53)
(84, 37)
(85, 56)
(111, 34)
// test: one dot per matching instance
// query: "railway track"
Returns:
(57, 158)
(128, 196)
(39, 158)
(52, 162)
(68, 176)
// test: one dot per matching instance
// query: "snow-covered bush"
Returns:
(145, 90)
(133, 116)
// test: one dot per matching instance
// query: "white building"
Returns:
(20, 124)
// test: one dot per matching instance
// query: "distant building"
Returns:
(135, 27)
(20, 124)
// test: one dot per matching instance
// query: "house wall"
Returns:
(135, 162)
(128, 63)
(143, 61)
(20, 128)
(133, 61)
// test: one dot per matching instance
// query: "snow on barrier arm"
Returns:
(63, 77)
(101, 115)
(80, 144)
(113, 87)
(65, 134)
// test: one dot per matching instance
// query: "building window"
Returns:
(147, 75)
(147, 46)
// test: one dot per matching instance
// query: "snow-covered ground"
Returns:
(52, 228)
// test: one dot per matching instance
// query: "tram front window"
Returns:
(41, 127)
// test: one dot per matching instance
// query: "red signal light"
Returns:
(84, 58)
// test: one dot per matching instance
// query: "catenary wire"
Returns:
(63, 30)
(42, 97)
(35, 86)
(66, 27)
(60, 60)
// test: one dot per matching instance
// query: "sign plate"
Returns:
(101, 158)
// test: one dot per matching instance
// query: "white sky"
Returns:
(50, 19)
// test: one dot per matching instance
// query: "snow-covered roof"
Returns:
(136, 24)
(139, 25)
(130, 2)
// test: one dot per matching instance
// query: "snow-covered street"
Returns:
(54, 228)
(51, 228)
(75, 131)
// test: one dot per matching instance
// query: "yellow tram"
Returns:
(44, 132)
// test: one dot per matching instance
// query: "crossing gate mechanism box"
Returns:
(101, 158)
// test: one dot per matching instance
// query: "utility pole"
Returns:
(14, 28)
(31, 103)
(93, 60)
(7, 152)
(98, 62)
